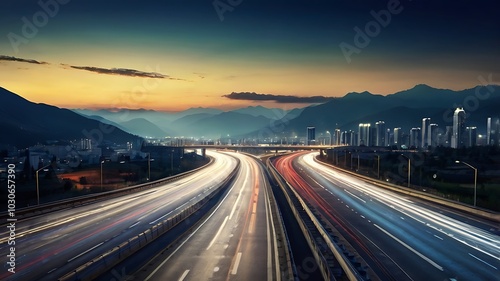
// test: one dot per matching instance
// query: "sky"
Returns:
(173, 55)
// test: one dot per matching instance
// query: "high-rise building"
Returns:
(364, 134)
(458, 138)
(337, 137)
(85, 144)
(495, 132)
(432, 135)
(311, 135)
(348, 138)
(448, 136)
(471, 135)
(397, 137)
(488, 131)
(343, 138)
(425, 134)
(388, 137)
(415, 138)
(380, 133)
(354, 138)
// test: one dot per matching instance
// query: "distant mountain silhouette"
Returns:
(187, 125)
(196, 110)
(403, 109)
(24, 123)
(229, 123)
(142, 127)
(269, 113)
(192, 122)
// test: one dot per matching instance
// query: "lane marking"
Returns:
(438, 237)
(355, 196)
(153, 222)
(189, 237)
(52, 270)
(134, 224)
(75, 257)
(181, 206)
(236, 264)
(410, 248)
(218, 232)
(184, 275)
(239, 195)
(482, 261)
(251, 227)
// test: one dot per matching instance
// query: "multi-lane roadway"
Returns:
(236, 241)
(400, 237)
(51, 245)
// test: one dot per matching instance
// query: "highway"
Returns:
(401, 238)
(53, 244)
(234, 242)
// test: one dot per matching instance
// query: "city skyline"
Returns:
(173, 56)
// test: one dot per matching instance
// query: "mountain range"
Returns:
(403, 109)
(194, 122)
(25, 123)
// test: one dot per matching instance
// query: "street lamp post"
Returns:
(475, 178)
(172, 163)
(149, 166)
(38, 184)
(378, 166)
(351, 160)
(358, 163)
(102, 162)
(409, 167)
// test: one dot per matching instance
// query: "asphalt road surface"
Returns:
(53, 244)
(400, 237)
(234, 242)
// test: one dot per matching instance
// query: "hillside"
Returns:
(24, 123)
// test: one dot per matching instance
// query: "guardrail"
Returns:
(483, 213)
(102, 263)
(91, 198)
(348, 268)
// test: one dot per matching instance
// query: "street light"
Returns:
(409, 167)
(149, 166)
(172, 162)
(102, 162)
(475, 177)
(37, 184)
(378, 166)
(351, 160)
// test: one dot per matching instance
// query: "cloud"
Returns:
(277, 98)
(9, 58)
(123, 72)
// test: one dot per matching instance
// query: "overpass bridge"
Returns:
(178, 151)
